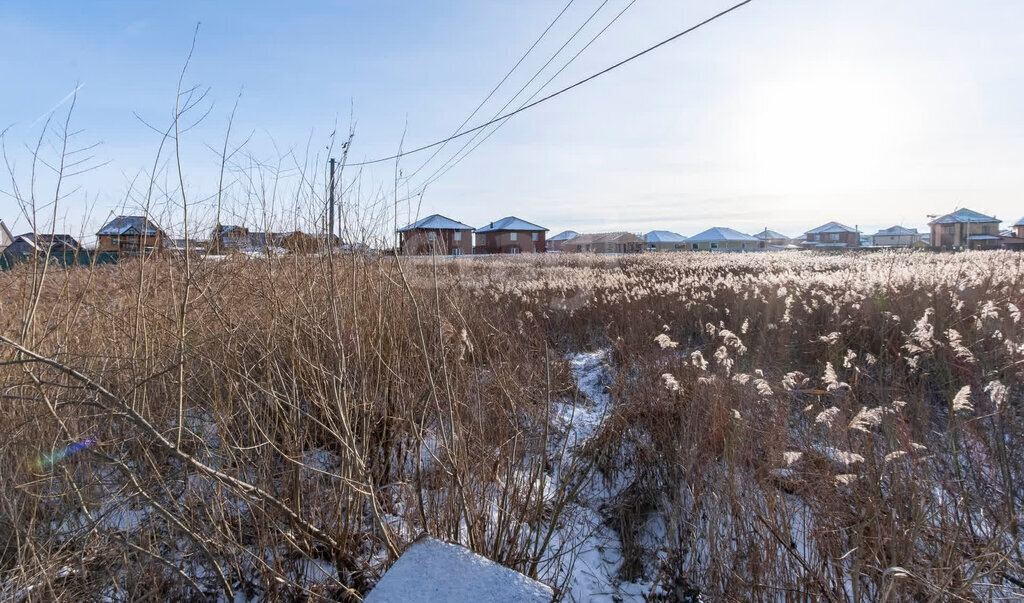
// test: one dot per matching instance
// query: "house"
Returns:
(555, 243)
(511, 235)
(130, 234)
(720, 238)
(5, 236)
(896, 236)
(226, 238)
(664, 240)
(965, 228)
(772, 239)
(436, 234)
(605, 242)
(29, 244)
(1011, 239)
(1018, 228)
(832, 234)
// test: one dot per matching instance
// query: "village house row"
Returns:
(436, 234)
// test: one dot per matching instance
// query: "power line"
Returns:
(563, 90)
(445, 168)
(527, 85)
(500, 84)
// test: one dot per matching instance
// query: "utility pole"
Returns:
(330, 209)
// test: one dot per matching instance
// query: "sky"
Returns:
(784, 114)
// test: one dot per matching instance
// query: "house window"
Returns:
(513, 250)
(457, 251)
(431, 236)
(714, 245)
(695, 247)
(536, 236)
(458, 235)
(514, 237)
(833, 236)
(985, 229)
(115, 241)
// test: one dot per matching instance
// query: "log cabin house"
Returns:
(130, 235)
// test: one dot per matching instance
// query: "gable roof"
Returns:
(766, 234)
(5, 234)
(831, 227)
(664, 236)
(55, 242)
(511, 223)
(565, 235)
(720, 233)
(436, 222)
(895, 230)
(602, 237)
(130, 225)
(963, 215)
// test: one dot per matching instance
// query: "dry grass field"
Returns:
(770, 426)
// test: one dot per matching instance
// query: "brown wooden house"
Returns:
(511, 235)
(130, 235)
(227, 238)
(438, 235)
(965, 228)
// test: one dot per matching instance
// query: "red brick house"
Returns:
(511, 235)
(832, 234)
(438, 235)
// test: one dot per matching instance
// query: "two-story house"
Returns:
(965, 228)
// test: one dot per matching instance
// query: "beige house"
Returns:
(896, 236)
(723, 239)
(772, 238)
(555, 243)
(605, 242)
(965, 228)
(664, 240)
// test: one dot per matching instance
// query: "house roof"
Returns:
(895, 230)
(601, 237)
(720, 233)
(1017, 223)
(564, 235)
(130, 225)
(511, 223)
(664, 236)
(983, 237)
(53, 241)
(963, 215)
(831, 227)
(766, 234)
(436, 222)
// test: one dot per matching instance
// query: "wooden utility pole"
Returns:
(330, 208)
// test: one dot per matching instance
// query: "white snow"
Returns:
(431, 570)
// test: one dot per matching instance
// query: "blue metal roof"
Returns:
(436, 222)
(720, 233)
(1019, 222)
(896, 230)
(664, 236)
(831, 227)
(963, 215)
(511, 223)
(564, 236)
(766, 234)
(130, 225)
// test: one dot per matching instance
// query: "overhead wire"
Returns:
(445, 168)
(561, 91)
